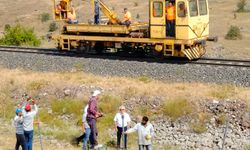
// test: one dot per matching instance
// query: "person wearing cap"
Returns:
(122, 122)
(28, 121)
(145, 132)
(92, 115)
(18, 122)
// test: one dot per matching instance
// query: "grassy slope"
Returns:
(13, 82)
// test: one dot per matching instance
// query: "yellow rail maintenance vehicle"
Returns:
(191, 30)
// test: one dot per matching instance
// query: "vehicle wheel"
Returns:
(99, 46)
(81, 49)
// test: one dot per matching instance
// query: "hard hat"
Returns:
(96, 92)
(18, 110)
(28, 107)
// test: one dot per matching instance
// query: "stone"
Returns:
(67, 92)
(50, 111)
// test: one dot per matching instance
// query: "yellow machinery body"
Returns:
(191, 32)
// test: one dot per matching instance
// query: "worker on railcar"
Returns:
(97, 12)
(170, 18)
(71, 19)
(60, 9)
(127, 19)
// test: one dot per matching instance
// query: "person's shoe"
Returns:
(74, 141)
(98, 146)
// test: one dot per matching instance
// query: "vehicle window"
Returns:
(182, 11)
(193, 8)
(157, 9)
(203, 7)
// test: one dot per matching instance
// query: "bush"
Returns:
(109, 104)
(241, 5)
(45, 17)
(135, 4)
(221, 119)
(144, 79)
(19, 35)
(177, 108)
(138, 16)
(52, 27)
(233, 33)
(247, 147)
(36, 85)
(222, 92)
(6, 27)
(198, 127)
(67, 106)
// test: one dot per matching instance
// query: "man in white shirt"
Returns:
(145, 132)
(86, 129)
(122, 122)
(28, 121)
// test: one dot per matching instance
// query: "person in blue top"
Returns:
(18, 121)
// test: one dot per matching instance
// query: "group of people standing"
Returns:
(122, 123)
(23, 122)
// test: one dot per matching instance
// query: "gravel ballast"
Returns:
(129, 68)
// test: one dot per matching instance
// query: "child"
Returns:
(20, 139)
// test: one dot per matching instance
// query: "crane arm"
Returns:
(109, 13)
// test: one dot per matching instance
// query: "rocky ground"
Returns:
(237, 135)
(129, 68)
(178, 133)
(210, 115)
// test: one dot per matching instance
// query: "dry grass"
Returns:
(199, 124)
(177, 108)
(180, 98)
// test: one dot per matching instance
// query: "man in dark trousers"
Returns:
(92, 115)
(122, 122)
(20, 139)
(97, 12)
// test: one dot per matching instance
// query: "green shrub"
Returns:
(233, 33)
(198, 127)
(45, 17)
(52, 27)
(138, 16)
(247, 147)
(145, 79)
(111, 143)
(241, 5)
(67, 106)
(198, 124)
(222, 92)
(19, 35)
(177, 108)
(6, 27)
(36, 85)
(221, 120)
(109, 103)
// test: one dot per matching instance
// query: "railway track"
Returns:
(223, 62)
(202, 61)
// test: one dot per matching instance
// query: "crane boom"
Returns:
(113, 19)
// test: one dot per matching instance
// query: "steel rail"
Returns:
(201, 61)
